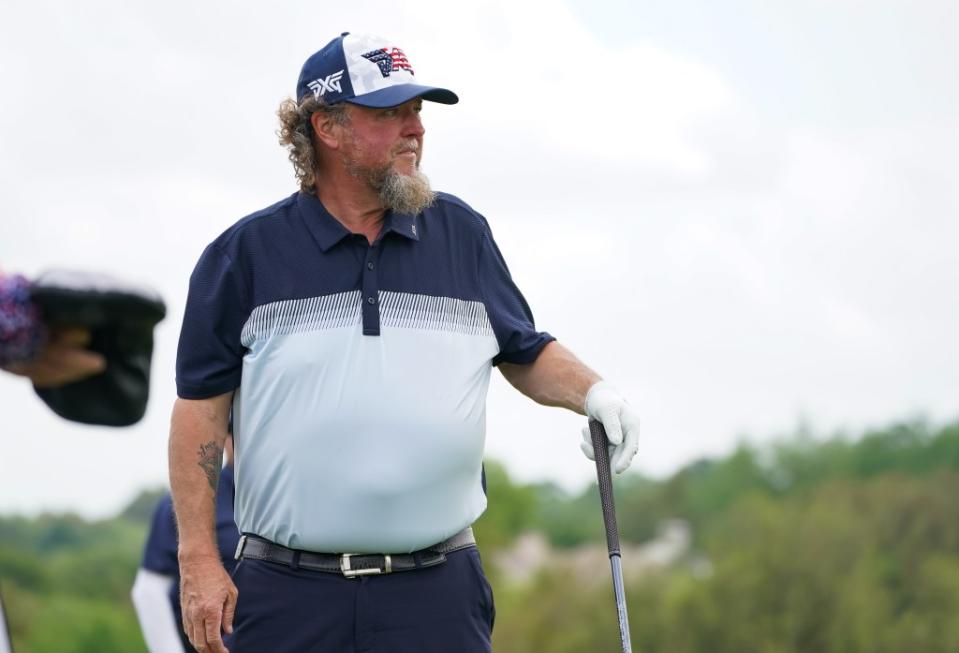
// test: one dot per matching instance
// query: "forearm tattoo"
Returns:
(211, 459)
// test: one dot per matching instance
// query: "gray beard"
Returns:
(409, 194)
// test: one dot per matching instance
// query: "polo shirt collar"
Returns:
(328, 231)
(403, 224)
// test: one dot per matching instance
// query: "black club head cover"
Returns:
(120, 317)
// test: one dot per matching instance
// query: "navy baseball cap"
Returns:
(366, 70)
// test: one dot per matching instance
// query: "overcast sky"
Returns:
(740, 213)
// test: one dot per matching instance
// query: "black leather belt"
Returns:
(352, 565)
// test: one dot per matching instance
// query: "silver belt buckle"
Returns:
(353, 573)
(239, 547)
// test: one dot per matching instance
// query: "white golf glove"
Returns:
(606, 405)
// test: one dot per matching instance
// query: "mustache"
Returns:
(409, 146)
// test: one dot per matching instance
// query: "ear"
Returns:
(327, 129)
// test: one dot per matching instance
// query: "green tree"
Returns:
(509, 509)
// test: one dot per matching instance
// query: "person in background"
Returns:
(156, 589)
(47, 331)
(28, 348)
(84, 340)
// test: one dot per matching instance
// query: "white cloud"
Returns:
(572, 95)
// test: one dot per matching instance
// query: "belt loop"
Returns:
(295, 562)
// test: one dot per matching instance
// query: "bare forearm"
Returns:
(555, 378)
(197, 434)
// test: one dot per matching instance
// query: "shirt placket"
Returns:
(371, 289)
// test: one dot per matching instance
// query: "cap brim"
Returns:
(396, 95)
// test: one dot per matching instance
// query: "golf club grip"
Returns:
(605, 479)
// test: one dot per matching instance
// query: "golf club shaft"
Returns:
(615, 562)
(604, 477)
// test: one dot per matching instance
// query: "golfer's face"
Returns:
(390, 137)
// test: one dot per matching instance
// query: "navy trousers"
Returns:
(443, 609)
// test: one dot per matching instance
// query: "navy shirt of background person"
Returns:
(160, 557)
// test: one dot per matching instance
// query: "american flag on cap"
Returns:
(389, 60)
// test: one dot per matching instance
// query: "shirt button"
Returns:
(371, 300)
(370, 266)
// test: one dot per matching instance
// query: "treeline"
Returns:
(841, 545)
(809, 544)
(702, 491)
(66, 582)
(851, 566)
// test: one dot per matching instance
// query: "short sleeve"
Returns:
(509, 314)
(210, 355)
(159, 553)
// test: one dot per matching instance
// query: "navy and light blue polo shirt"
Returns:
(360, 370)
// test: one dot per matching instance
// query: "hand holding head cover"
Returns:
(120, 317)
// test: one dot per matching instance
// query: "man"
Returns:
(352, 328)
(156, 589)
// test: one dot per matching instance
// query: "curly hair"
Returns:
(296, 134)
